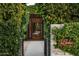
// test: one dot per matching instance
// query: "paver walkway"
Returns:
(34, 48)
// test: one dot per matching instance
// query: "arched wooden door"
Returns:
(35, 27)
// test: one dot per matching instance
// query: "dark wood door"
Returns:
(36, 28)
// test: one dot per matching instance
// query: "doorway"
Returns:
(34, 46)
(35, 30)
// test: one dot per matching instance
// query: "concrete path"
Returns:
(34, 48)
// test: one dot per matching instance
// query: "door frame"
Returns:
(30, 21)
(46, 43)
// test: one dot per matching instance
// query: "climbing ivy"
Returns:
(57, 13)
(10, 28)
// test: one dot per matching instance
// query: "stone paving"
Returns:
(34, 48)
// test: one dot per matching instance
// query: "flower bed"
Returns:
(67, 38)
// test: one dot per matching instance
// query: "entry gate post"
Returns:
(47, 39)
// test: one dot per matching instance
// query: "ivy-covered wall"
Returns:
(25, 22)
(11, 16)
(57, 12)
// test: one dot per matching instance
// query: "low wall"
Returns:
(54, 26)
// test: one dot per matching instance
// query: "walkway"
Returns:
(34, 48)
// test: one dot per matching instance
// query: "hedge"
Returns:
(55, 13)
(69, 32)
(10, 28)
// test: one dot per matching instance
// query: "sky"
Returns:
(30, 4)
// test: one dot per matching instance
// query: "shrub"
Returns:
(57, 13)
(10, 28)
(69, 32)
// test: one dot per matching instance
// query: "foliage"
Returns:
(57, 13)
(70, 31)
(25, 21)
(10, 28)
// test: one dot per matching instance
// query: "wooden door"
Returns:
(35, 27)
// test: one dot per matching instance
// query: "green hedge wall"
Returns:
(70, 31)
(24, 26)
(57, 12)
(10, 28)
